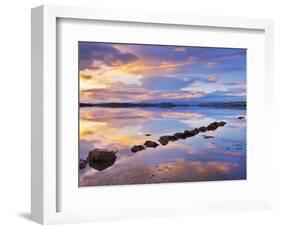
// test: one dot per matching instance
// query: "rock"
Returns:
(195, 131)
(189, 133)
(180, 135)
(137, 148)
(240, 118)
(208, 137)
(102, 165)
(150, 144)
(82, 164)
(172, 138)
(101, 155)
(213, 126)
(221, 123)
(202, 129)
(147, 135)
(164, 140)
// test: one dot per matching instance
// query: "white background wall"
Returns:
(15, 112)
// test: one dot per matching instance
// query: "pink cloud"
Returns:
(210, 64)
(213, 78)
(230, 56)
(104, 95)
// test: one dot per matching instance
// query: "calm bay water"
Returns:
(222, 157)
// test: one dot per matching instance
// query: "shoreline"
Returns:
(230, 105)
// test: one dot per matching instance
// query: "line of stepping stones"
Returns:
(164, 140)
(101, 159)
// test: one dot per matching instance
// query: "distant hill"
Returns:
(129, 105)
(234, 104)
(237, 104)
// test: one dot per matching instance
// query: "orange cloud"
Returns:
(132, 95)
(86, 132)
(127, 73)
(181, 95)
(85, 77)
(213, 78)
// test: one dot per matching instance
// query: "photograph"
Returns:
(151, 113)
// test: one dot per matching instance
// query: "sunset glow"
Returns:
(161, 114)
(151, 73)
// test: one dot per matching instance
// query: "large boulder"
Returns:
(137, 148)
(151, 144)
(101, 155)
(241, 118)
(102, 165)
(82, 163)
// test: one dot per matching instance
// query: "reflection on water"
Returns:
(101, 165)
(222, 157)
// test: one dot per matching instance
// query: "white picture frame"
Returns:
(46, 181)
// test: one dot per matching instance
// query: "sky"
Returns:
(112, 72)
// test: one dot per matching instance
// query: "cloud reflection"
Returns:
(178, 171)
(193, 159)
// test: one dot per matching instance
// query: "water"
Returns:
(193, 159)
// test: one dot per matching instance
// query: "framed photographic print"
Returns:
(140, 114)
(160, 110)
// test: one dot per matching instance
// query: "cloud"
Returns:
(160, 66)
(85, 77)
(135, 73)
(104, 95)
(115, 95)
(214, 57)
(220, 96)
(235, 83)
(212, 78)
(94, 55)
(182, 95)
(237, 91)
(164, 83)
(178, 170)
(177, 82)
(119, 117)
(210, 64)
(132, 73)
(235, 55)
